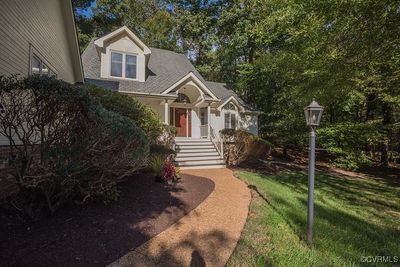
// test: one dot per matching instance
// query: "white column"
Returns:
(208, 120)
(166, 112)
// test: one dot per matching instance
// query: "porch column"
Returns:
(166, 112)
(208, 120)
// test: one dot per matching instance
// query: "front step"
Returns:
(180, 147)
(200, 162)
(181, 158)
(197, 153)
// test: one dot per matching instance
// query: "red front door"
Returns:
(183, 122)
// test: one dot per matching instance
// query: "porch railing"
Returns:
(217, 141)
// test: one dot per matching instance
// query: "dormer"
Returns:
(123, 55)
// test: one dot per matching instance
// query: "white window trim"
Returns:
(34, 52)
(232, 112)
(123, 65)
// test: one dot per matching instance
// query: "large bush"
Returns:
(347, 143)
(241, 147)
(127, 106)
(63, 146)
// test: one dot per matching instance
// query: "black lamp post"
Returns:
(313, 113)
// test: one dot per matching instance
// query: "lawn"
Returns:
(354, 219)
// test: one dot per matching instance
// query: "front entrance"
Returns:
(181, 118)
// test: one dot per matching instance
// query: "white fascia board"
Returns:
(196, 80)
(233, 99)
(160, 96)
(100, 42)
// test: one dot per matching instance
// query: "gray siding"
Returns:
(48, 26)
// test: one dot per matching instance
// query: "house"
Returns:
(37, 37)
(168, 83)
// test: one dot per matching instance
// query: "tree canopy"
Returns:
(278, 55)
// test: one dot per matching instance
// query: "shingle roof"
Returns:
(164, 69)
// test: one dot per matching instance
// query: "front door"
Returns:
(182, 122)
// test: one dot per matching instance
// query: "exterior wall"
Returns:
(126, 45)
(196, 123)
(247, 122)
(45, 24)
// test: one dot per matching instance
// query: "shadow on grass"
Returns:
(353, 217)
(96, 234)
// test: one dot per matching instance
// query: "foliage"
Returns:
(353, 218)
(347, 142)
(243, 147)
(167, 138)
(127, 106)
(278, 55)
(157, 165)
(63, 147)
(170, 173)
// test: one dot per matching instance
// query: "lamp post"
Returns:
(313, 113)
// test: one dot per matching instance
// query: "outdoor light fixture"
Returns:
(313, 113)
(184, 99)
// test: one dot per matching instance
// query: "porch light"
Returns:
(313, 114)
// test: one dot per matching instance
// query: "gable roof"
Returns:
(164, 69)
(100, 41)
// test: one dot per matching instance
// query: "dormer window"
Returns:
(123, 65)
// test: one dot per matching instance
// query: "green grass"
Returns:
(352, 218)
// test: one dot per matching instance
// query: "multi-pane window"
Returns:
(116, 64)
(39, 67)
(123, 65)
(130, 67)
(230, 116)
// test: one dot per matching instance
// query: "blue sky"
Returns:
(87, 12)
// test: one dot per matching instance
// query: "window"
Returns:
(123, 65)
(116, 64)
(230, 116)
(203, 116)
(130, 67)
(39, 67)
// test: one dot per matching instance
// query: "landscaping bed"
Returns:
(96, 234)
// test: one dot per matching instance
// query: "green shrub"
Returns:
(127, 106)
(157, 165)
(64, 147)
(347, 143)
(241, 147)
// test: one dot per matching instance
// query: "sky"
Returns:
(87, 12)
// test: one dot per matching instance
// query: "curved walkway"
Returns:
(206, 236)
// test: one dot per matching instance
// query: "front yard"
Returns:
(354, 218)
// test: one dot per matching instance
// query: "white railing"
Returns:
(204, 130)
(217, 141)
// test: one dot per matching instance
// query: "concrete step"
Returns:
(196, 154)
(192, 158)
(196, 150)
(184, 140)
(188, 147)
(200, 162)
(194, 144)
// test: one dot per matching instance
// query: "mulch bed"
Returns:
(96, 234)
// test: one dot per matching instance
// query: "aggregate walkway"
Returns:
(206, 236)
